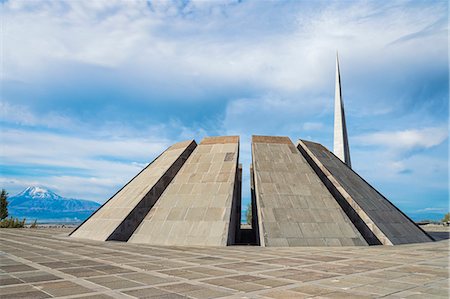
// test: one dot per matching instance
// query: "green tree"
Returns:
(3, 204)
(446, 218)
(248, 215)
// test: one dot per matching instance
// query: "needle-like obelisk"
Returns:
(340, 148)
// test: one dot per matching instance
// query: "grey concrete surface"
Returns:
(118, 218)
(195, 209)
(45, 263)
(294, 208)
(375, 216)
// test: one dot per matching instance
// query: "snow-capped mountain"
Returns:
(37, 192)
(43, 204)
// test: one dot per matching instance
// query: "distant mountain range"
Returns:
(47, 206)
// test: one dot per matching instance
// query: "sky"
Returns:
(92, 91)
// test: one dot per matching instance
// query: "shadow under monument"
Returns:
(439, 236)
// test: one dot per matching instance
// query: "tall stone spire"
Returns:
(340, 148)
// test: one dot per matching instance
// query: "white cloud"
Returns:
(58, 150)
(87, 167)
(212, 42)
(80, 162)
(22, 115)
(407, 139)
(401, 161)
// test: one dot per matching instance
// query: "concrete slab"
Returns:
(200, 206)
(294, 208)
(378, 220)
(119, 217)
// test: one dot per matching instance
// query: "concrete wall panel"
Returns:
(293, 206)
(378, 220)
(119, 217)
(196, 208)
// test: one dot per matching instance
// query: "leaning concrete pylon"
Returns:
(201, 205)
(293, 206)
(340, 148)
(378, 220)
(119, 217)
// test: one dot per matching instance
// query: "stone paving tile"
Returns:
(82, 272)
(6, 279)
(313, 290)
(114, 282)
(209, 271)
(147, 279)
(431, 290)
(28, 295)
(7, 291)
(195, 291)
(273, 283)
(246, 283)
(36, 276)
(284, 294)
(320, 258)
(247, 287)
(62, 288)
(147, 293)
(208, 260)
(308, 276)
(181, 287)
(184, 274)
(385, 274)
(346, 295)
(245, 266)
(418, 278)
(338, 283)
(95, 296)
(287, 262)
(108, 269)
(58, 265)
(207, 293)
(43, 263)
(16, 268)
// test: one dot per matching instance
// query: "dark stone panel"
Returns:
(394, 224)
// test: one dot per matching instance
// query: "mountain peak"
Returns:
(37, 202)
(38, 192)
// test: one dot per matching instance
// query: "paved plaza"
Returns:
(45, 263)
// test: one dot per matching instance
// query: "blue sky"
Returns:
(91, 91)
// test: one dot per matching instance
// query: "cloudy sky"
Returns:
(91, 91)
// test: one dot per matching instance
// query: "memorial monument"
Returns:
(302, 195)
